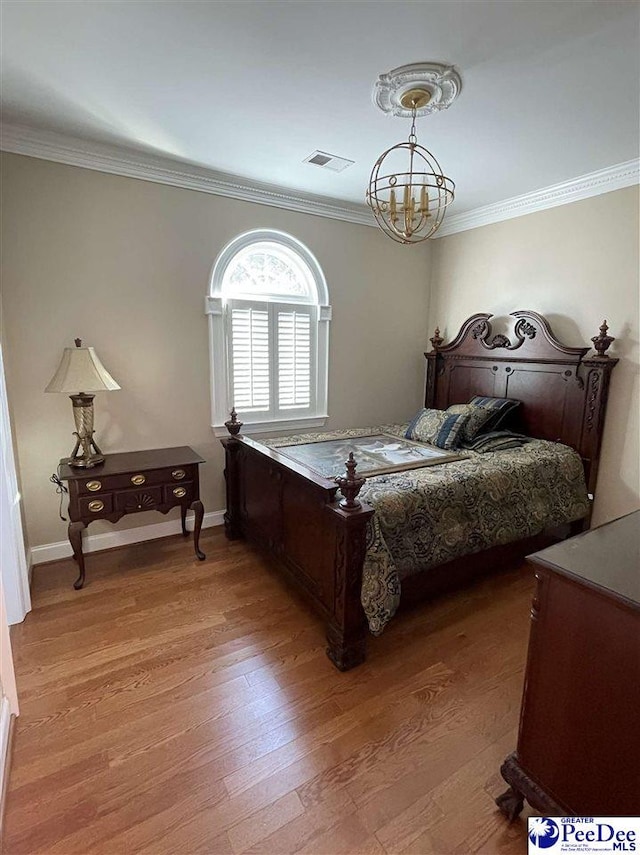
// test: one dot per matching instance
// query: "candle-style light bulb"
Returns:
(406, 210)
(393, 210)
(424, 201)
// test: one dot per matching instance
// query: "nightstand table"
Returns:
(129, 483)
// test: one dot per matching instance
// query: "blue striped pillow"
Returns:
(497, 440)
(437, 427)
(478, 418)
(502, 407)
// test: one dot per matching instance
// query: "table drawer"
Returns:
(182, 492)
(144, 499)
(143, 479)
(97, 506)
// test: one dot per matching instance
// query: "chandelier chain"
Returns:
(413, 139)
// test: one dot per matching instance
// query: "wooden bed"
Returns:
(318, 536)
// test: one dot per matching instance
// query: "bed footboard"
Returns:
(316, 536)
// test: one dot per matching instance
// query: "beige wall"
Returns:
(124, 264)
(575, 264)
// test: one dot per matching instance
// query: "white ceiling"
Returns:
(550, 87)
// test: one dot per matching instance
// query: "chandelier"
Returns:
(408, 192)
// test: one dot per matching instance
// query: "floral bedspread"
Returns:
(425, 517)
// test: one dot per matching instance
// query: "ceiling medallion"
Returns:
(441, 81)
(408, 192)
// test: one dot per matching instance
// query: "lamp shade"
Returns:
(80, 370)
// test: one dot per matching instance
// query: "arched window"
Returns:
(269, 314)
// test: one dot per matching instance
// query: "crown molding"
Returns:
(118, 160)
(593, 184)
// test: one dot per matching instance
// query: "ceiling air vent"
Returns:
(328, 161)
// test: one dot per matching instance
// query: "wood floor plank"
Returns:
(347, 836)
(312, 824)
(177, 706)
(446, 799)
(383, 714)
(382, 800)
(198, 838)
(261, 824)
(389, 739)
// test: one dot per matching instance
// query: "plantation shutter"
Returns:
(294, 333)
(250, 356)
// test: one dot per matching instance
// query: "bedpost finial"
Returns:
(437, 339)
(602, 342)
(350, 485)
(233, 425)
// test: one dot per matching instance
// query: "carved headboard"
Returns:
(563, 394)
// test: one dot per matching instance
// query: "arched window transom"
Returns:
(269, 271)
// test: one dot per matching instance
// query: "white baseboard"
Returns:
(109, 539)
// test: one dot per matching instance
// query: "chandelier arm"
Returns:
(423, 219)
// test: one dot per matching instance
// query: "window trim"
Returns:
(218, 356)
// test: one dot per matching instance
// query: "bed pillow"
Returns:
(500, 407)
(478, 418)
(497, 440)
(437, 427)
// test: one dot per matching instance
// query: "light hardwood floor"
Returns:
(174, 706)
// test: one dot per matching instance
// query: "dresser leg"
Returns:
(198, 508)
(511, 803)
(183, 520)
(75, 539)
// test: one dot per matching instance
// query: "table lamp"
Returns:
(80, 368)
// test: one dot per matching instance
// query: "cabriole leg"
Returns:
(75, 539)
(198, 508)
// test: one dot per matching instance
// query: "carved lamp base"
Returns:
(83, 417)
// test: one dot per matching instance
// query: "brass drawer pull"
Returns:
(94, 486)
(179, 492)
(96, 506)
(178, 474)
(138, 479)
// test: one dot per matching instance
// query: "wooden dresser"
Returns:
(578, 748)
(131, 482)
